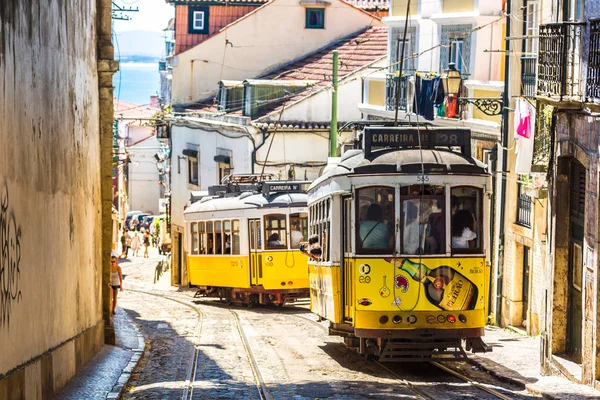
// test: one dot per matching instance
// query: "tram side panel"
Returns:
(284, 270)
(223, 271)
(325, 291)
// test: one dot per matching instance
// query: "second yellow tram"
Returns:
(244, 242)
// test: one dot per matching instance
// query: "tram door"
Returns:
(255, 262)
(348, 261)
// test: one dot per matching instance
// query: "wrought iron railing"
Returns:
(592, 92)
(524, 210)
(559, 60)
(391, 91)
(528, 75)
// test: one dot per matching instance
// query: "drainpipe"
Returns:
(265, 136)
(502, 159)
(334, 95)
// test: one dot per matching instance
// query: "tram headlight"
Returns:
(451, 318)
(383, 319)
(397, 319)
(462, 318)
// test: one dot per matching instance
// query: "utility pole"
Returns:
(398, 84)
(334, 96)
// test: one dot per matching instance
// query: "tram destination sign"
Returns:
(408, 137)
(270, 187)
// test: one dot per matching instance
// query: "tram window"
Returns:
(467, 208)
(235, 233)
(194, 238)
(298, 229)
(275, 231)
(376, 219)
(202, 234)
(218, 237)
(210, 238)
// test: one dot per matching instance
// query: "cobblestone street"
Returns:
(294, 356)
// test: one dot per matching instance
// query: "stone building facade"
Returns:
(570, 333)
(55, 191)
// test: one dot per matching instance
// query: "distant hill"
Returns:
(142, 45)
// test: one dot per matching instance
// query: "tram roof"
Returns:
(402, 161)
(248, 201)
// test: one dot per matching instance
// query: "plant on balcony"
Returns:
(543, 142)
(534, 185)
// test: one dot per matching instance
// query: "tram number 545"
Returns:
(423, 178)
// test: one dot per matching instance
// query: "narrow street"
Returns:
(194, 350)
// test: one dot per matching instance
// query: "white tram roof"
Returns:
(247, 201)
(402, 161)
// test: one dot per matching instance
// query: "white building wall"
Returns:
(262, 41)
(144, 190)
(206, 139)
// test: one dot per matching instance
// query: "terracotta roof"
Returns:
(354, 53)
(370, 4)
(131, 110)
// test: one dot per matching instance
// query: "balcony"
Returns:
(391, 89)
(592, 93)
(559, 64)
(528, 75)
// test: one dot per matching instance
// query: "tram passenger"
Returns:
(435, 222)
(411, 237)
(463, 230)
(374, 234)
(227, 244)
(274, 241)
(210, 245)
(295, 235)
(313, 250)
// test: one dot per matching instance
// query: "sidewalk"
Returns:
(516, 360)
(105, 376)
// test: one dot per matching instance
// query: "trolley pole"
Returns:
(334, 96)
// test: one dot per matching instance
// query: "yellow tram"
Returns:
(244, 241)
(403, 227)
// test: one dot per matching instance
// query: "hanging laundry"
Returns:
(524, 132)
(426, 93)
(451, 104)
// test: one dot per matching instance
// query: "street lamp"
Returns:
(452, 82)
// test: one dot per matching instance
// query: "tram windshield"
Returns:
(376, 208)
(423, 220)
(298, 229)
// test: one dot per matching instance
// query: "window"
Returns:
(198, 20)
(320, 227)
(195, 249)
(524, 206)
(218, 225)
(530, 26)
(423, 220)
(275, 231)
(193, 171)
(407, 62)
(299, 229)
(202, 234)
(315, 18)
(456, 54)
(466, 230)
(376, 220)
(235, 236)
(210, 245)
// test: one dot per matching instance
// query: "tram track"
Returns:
(188, 389)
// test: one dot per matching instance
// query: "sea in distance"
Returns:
(135, 82)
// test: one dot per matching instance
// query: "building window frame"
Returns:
(198, 20)
(315, 18)
(193, 175)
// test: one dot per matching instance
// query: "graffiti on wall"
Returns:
(10, 259)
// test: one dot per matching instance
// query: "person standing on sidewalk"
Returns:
(125, 241)
(135, 244)
(146, 243)
(116, 281)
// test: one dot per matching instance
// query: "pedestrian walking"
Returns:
(135, 244)
(116, 281)
(125, 241)
(146, 243)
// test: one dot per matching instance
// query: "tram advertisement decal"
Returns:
(426, 284)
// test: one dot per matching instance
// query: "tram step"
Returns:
(395, 351)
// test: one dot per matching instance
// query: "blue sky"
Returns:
(153, 15)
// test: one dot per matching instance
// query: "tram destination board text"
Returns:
(408, 137)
